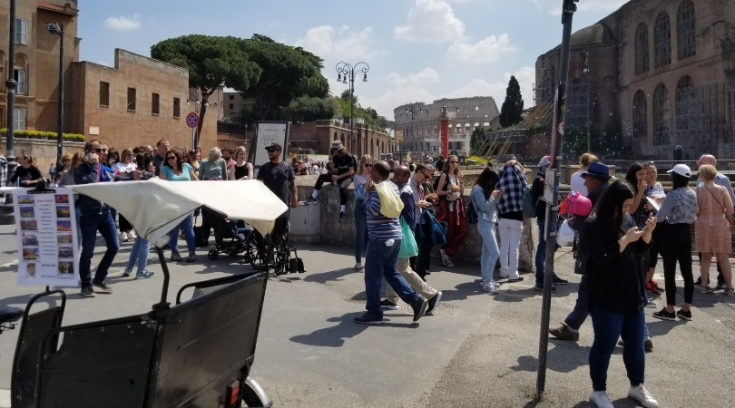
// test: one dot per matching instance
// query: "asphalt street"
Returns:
(477, 350)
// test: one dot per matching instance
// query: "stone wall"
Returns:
(42, 151)
(334, 232)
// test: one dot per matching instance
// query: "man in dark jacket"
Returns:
(94, 216)
(340, 174)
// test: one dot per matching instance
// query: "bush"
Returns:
(40, 134)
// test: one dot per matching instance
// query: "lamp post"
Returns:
(11, 85)
(346, 72)
(58, 29)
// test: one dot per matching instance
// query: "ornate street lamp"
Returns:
(11, 84)
(346, 72)
(58, 29)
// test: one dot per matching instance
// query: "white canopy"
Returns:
(155, 206)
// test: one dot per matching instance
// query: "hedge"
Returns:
(39, 134)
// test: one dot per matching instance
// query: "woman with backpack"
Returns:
(484, 197)
(451, 208)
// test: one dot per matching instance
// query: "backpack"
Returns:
(529, 207)
(471, 214)
(436, 229)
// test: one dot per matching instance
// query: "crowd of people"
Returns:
(628, 224)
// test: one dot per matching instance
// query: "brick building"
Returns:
(317, 137)
(660, 71)
(36, 65)
(138, 101)
(419, 123)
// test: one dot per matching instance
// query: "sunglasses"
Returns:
(170, 157)
(66, 160)
(368, 164)
(99, 150)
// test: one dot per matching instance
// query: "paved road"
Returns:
(477, 350)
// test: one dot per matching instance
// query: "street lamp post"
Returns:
(58, 29)
(346, 72)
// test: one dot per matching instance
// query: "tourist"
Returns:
(341, 172)
(712, 228)
(26, 174)
(484, 200)
(279, 178)
(576, 182)
(362, 176)
(241, 170)
(450, 188)
(175, 169)
(425, 196)
(613, 245)
(123, 170)
(510, 218)
(677, 213)
(139, 252)
(384, 242)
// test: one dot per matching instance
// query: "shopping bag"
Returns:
(565, 235)
(409, 247)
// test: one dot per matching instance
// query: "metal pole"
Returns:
(60, 132)
(352, 102)
(11, 85)
(552, 208)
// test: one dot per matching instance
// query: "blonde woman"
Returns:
(241, 170)
(712, 229)
(451, 208)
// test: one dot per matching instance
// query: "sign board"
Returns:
(549, 186)
(192, 120)
(47, 237)
(265, 134)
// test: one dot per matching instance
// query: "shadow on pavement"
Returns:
(562, 358)
(346, 328)
(330, 276)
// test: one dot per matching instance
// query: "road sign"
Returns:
(192, 119)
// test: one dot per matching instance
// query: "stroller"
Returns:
(231, 237)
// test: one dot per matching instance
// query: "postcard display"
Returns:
(47, 238)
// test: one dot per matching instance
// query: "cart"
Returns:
(195, 353)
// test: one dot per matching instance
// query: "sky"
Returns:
(417, 50)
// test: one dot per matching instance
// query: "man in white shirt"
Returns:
(576, 182)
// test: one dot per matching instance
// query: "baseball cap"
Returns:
(682, 170)
(274, 146)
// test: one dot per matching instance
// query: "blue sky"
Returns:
(418, 50)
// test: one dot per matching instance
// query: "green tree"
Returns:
(287, 73)
(307, 108)
(510, 113)
(212, 62)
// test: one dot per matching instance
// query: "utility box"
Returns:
(305, 224)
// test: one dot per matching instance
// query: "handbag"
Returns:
(390, 203)
(565, 236)
(409, 248)
(471, 214)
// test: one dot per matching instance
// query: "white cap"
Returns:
(682, 170)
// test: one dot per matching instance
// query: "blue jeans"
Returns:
(360, 229)
(380, 263)
(186, 225)
(608, 327)
(581, 308)
(139, 254)
(89, 225)
(490, 252)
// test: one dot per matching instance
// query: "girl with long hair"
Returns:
(451, 208)
(175, 169)
(611, 247)
(484, 196)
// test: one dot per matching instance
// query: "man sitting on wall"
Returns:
(340, 174)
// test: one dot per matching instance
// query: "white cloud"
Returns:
(123, 23)
(480, 87)
(489, 50)
(554, 6)
(426, 76)
(431, 21)
(343, 42)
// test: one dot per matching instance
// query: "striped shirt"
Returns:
(380, 227)
(679, 207)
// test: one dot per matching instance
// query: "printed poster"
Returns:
(47, 238)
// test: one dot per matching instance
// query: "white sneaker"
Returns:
(123, 237)
(642, 396)
(600, 399)
(132, 235)
(491, 288)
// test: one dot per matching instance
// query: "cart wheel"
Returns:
(253, 394)
(213, 254)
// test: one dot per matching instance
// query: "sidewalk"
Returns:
(478, 350)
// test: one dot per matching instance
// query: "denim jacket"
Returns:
(486, 208)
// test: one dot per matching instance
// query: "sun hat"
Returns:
(598, 171)
(544, 162)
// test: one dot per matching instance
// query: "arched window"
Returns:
(641, 49)
(685, 41)
(662, 41)
(684, 101)
(640, 115)
(660, 129)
